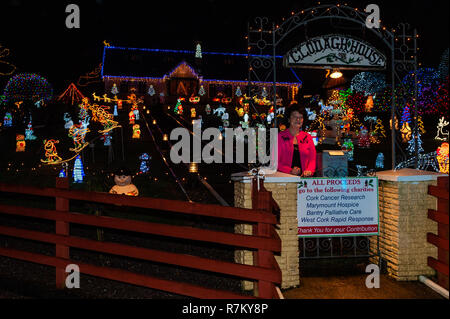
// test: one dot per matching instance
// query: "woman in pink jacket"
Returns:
(296, 150)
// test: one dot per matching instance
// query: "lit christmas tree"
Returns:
(78, 171)
(406, 115)
(202, 91)
(114, 89)
(178, 107)
(198, 51)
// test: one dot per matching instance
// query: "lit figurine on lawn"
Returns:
(20, 144)
(136, 131)
(123, 186)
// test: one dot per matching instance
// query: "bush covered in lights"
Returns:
(368, 83)
(28, 87)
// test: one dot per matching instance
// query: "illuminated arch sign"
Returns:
(335, 51)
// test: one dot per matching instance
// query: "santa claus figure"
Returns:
(363, 140)
(123, 186)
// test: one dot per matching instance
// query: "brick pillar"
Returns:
(404, 204)
(285, 194)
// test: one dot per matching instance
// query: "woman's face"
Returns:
(296, 120)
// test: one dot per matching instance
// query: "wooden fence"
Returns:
(264, 242)
(440, 240)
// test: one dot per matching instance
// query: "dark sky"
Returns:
(39, 42)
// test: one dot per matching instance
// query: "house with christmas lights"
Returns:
(163, 76)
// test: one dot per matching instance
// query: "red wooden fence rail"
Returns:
(264, 241)
(441, 191)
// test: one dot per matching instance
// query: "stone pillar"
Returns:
(404, 204)
(284, 191)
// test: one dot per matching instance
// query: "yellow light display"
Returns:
(442, 158)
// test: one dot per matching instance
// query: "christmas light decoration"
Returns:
(193, 112)
(198, 51)
(363, 138)
(441, 135)
(178, 109)
(29, 132)
(106, 138)
(424, 161)
(406, 115)
(208, 109)
(348, 146)
(357, 102)
(6, 67)
(442, 158)
(51, 155)
(194, 99)
(114, 89)
(368, 83)
(201, 91)
(131, 117)
(124, 185)
(238, 92)
(7, 120)
(136, 114)
(91, 77)
(411, 144)
(20, 143)
(443, 65)
(144, 158)
(379, 162)
(115, 110)
(78, 170)
(406, 132)
(78, 132)
(30, 87)
(71, 95)
(136, 131)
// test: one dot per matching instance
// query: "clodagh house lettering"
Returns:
(335, 50)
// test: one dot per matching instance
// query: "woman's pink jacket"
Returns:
(306, 148)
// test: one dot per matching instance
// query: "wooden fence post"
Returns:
(263, 200)
(62, 228)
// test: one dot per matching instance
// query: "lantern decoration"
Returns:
(348, 146)
(136, 131)
(208, 109)
(193, 167)
(193, 112)
(51, 155)
(442, 158)
(151, 90)
(363, 138)
(201, 91)
(441, 135)
(144, 158)
(406, 132)
(379, 162)
(131, 117)
(78, 170)
(29, 132)
(7, 120)
(20, 143)
(114, 89)
(78, 133)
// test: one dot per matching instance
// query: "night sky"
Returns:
(39, 42)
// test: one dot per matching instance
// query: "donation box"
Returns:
(332, 164)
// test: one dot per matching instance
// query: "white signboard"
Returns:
(335, 50)
(337, 206)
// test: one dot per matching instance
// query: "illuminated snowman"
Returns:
(124, 185)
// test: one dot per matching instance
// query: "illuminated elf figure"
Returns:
(78, 133)
(29, 132)
(132, 117)
(136, 131)
(151, 90)
(20, 143)
(208, 109)
(51, 154)
(379, 162)
(7, 120)
(78, 171)
(143, 168)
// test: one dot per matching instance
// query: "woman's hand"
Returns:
(307, 174)
(295, 170)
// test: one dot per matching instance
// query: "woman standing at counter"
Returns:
(296, 150)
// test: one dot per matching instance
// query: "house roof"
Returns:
(158, 63)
